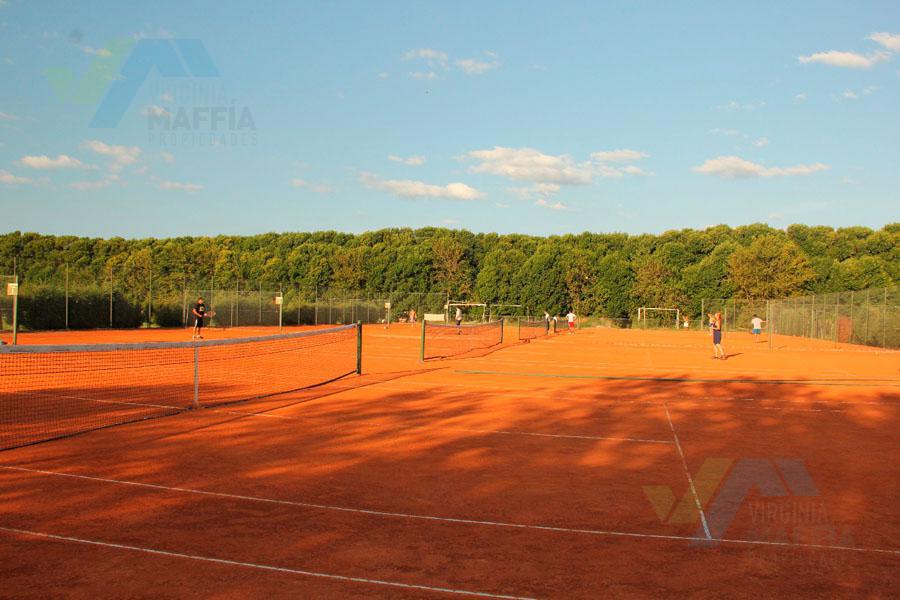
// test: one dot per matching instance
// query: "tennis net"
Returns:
(530, 329)
(443, 340)
(48, 392)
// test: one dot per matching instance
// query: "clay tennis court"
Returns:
(620, 463)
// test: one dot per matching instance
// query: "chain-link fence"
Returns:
(133, 296)
(737, 313)
(870, 317)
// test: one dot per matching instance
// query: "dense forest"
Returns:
(603, 274)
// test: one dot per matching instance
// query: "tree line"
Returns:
(601, 274)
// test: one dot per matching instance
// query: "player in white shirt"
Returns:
(570, 317)
(756, 325)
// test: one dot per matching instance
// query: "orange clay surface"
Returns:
(607, 463)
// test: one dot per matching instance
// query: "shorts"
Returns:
(571, 324)
(717, 336)
(757, 331)
(198, 322)
(458, 322)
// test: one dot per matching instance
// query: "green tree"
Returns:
(770, 267)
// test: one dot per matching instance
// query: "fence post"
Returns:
(15, 310)
(837, 315)
(884, 321)
(702, 312)
(422, 342)
(770, 326)
(259, 301)
(502, 325)
(866, 334)
(110, 296)
(67, 295)
(150, 300)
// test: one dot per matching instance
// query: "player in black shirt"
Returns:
(199, 311)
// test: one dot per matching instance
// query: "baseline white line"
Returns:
(379, 513)
(262, 567)
(688, 473)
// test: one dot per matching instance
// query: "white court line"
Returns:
(235, 563)
(397, 515)
(465, 429)
(688, 473)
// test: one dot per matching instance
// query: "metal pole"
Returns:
(422, 342)
(150, 301)
(770, 326)
(866, 334)
(67, 295)
(884, 321)
(502, 324)
(110, 297)
(316, 307)
(837, 316)
(359, 347)
(15, 309)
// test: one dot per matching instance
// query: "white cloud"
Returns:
(761, 142)
(167, 97)
(384, 75)
(474, 66)
(60, 162)
(726, 132)
(87, 186)
(801, 96)
(121, 155)
(543, 190)
(552, 206)
(168, 157)
(735, 167)
(429, 55)
(869, 89)
(847, 181)
(734, 106)
(619, 156)
(426, 75)
(10, 179)
(528, 164)
(846, 60)
(177, 186)
(8, 117)
(156, 111)
(849, 95)
(891, 41)
(407, 188)
(319, 188)
(413, 161)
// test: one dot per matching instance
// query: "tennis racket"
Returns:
(209, 314)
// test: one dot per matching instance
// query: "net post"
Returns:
(196, 402)
(422, 342)
(502, 324)
(518, 329)
(359, 347)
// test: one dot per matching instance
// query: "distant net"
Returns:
(47, 392)
(444, 340)
(530, 329)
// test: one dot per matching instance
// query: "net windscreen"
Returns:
(443, 340)
(530, 329)
(47, 392)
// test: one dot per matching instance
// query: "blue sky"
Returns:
(531, 117)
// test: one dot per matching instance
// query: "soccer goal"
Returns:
(471, 311)
(648, 317)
